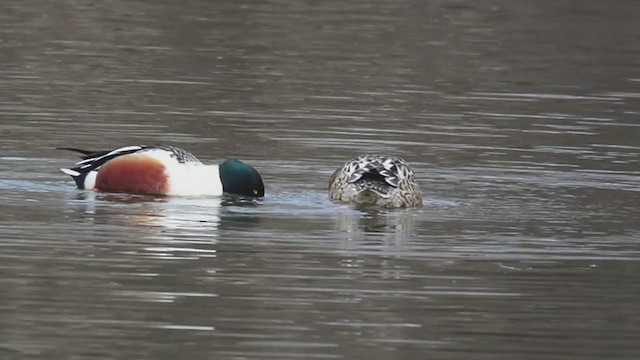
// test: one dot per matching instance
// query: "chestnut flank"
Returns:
(133, 174)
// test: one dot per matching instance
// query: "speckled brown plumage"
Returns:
(376, 180)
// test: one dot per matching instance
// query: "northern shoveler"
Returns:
(377, 180)
(162, 170)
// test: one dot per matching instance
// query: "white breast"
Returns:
(189, 178)
(193, 179)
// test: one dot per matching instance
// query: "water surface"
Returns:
(520, 120)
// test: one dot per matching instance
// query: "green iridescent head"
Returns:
(240, 179)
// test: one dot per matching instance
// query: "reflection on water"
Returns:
(182, 213)
(519, 118)
(375, 230)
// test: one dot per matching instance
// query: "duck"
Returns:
(161, 170)
(376, 180)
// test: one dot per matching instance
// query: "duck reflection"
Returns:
(362, 224)
(183, 214)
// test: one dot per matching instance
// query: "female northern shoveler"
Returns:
(379, 180)
(162, 170)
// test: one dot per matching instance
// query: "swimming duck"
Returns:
(162, 170)
(377, 180)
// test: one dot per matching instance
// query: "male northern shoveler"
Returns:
(378, 180)
(162, 170)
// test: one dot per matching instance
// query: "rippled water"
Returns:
(520, 118)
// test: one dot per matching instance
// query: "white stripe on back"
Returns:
(89, 161)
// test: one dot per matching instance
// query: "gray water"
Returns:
(520, 119)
